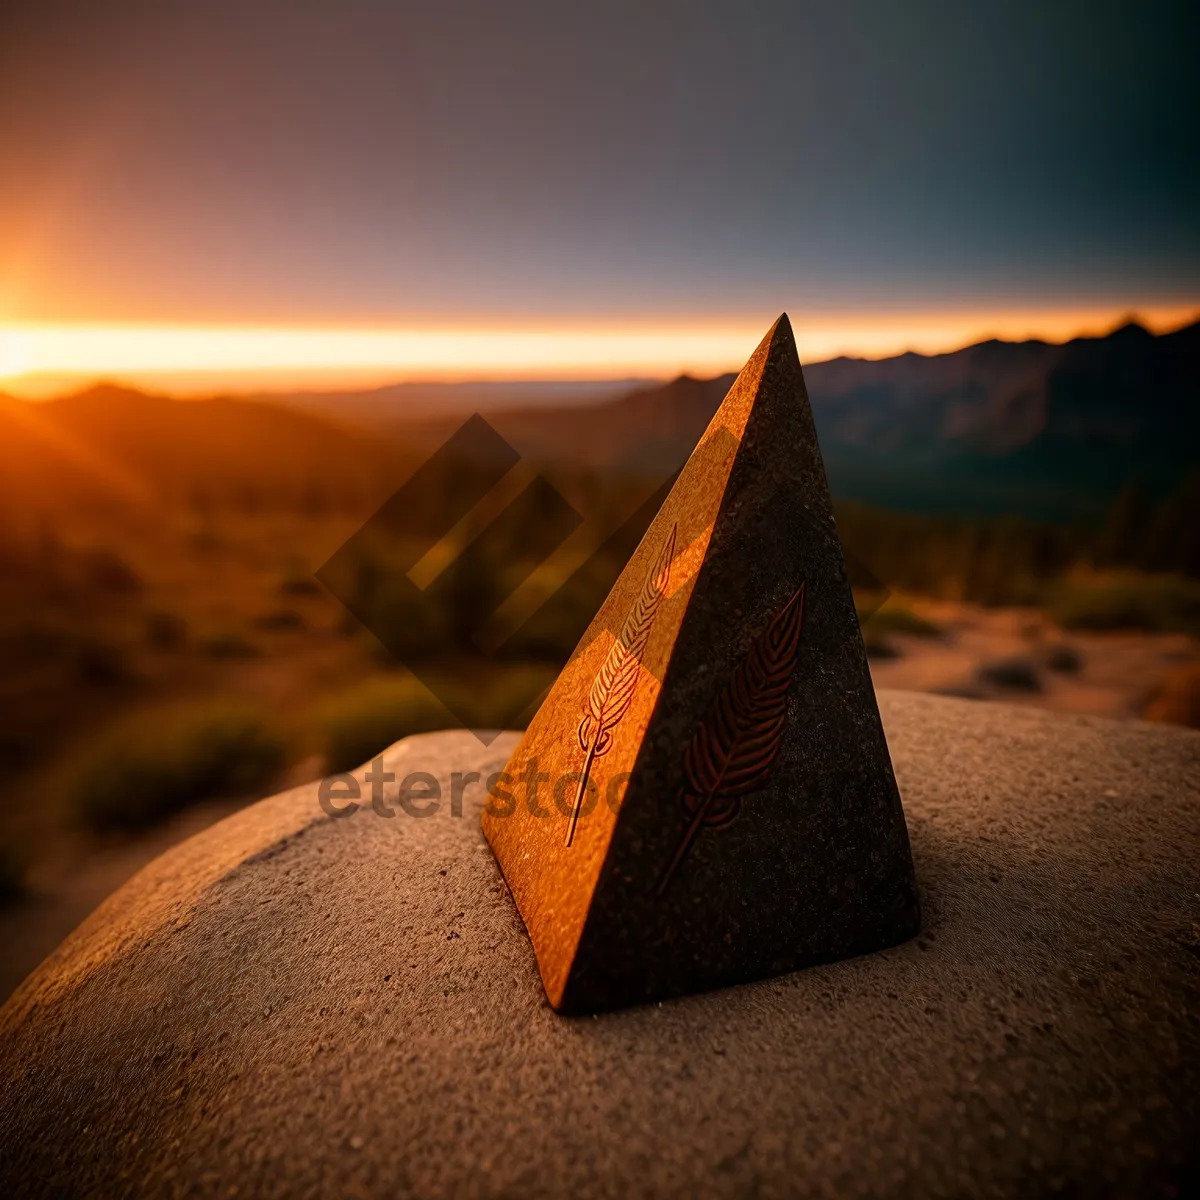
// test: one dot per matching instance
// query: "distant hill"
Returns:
(400, 403)
(1045, 430)
(112, 447)
(1048, 431)
(652, 428)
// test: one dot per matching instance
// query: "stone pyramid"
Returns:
(705, 797)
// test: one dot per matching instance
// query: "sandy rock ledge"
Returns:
(291, 1004)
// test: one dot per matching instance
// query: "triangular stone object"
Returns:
(738, 815)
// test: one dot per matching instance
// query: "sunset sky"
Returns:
(277, 192)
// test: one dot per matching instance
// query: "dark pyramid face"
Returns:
(705, 797)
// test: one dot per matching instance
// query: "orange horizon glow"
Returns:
(41, 359)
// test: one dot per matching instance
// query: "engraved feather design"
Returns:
(731, 754)
(615, 682)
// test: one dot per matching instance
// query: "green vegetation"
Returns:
(1004, 561)
(1016, 561)
(1126, 601)
(149, 765)
(504, 698)
(880, 647)
(1162, 538)
(365, 720)
(108, 610)
(895, 617)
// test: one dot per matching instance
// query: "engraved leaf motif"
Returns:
(731, 754)
(615, 682)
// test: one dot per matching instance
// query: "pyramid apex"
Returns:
(778, 345)
(783, 340)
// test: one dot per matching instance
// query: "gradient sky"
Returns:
(350, 161)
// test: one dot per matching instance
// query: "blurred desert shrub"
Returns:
(165, 630)
(1155, 603)
(1014, 561)
(279, 620)
(150, 765)
(880, 647)
(505, 698)
(228, 646)
(1063, 658)
(358, 724)
(102, 662)
(298, 582)
(1163, 537)
(1005, 560)
(898, 618)
(106, 571)
(361, 722)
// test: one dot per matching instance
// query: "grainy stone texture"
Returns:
(296, 1005)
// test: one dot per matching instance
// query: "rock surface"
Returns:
(298, 1005)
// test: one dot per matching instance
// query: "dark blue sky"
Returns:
(344, 159)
